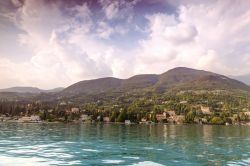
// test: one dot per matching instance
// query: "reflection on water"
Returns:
(107, 144)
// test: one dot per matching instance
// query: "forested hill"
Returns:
(176, 79)
(180, 78)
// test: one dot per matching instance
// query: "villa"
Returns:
(205, 110)
(144, 120)
(160, 117)
(30, 119)
(75, 110)
(247, 114)
(35, 118)
(127, 122)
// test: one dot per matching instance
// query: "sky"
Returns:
(55, 43)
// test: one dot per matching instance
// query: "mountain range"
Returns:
(242, 78)
(30, 90)
(180, 78)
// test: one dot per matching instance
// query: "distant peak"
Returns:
(181, 68)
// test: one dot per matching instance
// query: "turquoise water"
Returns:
(136, 145)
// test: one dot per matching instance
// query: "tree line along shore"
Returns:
(207, 107)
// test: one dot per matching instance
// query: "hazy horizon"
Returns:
(49, 44)
(241, 78)
(27, 86)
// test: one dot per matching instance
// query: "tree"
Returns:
(122, 116)
(113, 116)
(190, 116)
(217, 120)
(153, 118)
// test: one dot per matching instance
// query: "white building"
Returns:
(50, 110)
(127, 122)
(63, 103)
(32, 118)
(75, 110)
(35, 118)
(247, 114)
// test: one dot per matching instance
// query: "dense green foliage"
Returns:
(225, 106)
(217, 120)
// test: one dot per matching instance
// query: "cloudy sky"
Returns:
(51, 43)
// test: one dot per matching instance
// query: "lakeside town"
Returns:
(212, 108)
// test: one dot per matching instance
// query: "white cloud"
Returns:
(67, 42)
(64, 50)
(121, 9)
(211, 36)
(168, 38)
(111, 8)
(104, 30)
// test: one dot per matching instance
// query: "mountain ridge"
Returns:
(243, 78)
(35, 90)
(180, 78)
(176, 78)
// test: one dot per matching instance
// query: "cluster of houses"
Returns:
(172, 118)
(22, 119)
(31, 119)
(168, 116)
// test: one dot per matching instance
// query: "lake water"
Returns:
(135, 145)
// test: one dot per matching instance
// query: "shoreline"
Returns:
(121, 123)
